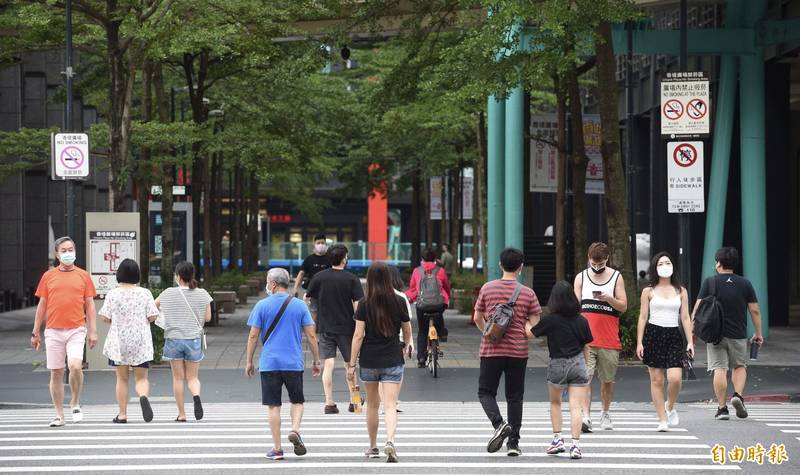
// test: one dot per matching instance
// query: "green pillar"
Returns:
(721, 151)
(754, 192)
(496, 181)
(514, 167)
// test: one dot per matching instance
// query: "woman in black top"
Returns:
(379, 319)
(567, 335)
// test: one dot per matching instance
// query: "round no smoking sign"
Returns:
(71, 157)
(685, 155)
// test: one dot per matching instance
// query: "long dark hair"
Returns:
(397, 279)
(563, 301)
(381, 302)
(185, 271)
(652, 271)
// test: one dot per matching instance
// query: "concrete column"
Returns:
(514, 168)
(496, 181)
(754, 192)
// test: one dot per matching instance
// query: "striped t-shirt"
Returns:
(514, 343)
(180, 322)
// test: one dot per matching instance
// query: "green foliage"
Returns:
(229, 281)
(24, 149)
(627, 332)
(157, 334)
(467, 281)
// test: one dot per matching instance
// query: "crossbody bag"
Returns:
(202, 329)
(276, 320)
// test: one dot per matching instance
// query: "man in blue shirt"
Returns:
(281, 363)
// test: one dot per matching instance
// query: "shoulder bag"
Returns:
(202, 329)
(276, 320)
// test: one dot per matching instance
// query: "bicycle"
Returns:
(434, 353)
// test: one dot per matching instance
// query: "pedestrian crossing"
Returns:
(432, 437)
(783, 417)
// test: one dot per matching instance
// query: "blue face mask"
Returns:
(67, 258)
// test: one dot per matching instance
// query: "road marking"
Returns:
(614, 445)
(143, 428)
(366, 465)
(402, 435)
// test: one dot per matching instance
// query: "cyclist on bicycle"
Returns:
(429, 288)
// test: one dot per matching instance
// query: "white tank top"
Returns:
(588, 285)
(665, 312)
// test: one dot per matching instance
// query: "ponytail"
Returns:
(185, 271)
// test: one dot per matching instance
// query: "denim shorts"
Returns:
(568, 371)
(179, 349)
(393, 374)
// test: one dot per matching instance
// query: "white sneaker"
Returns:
(663, 426)
(77, 414)
(672, 416)
(586, 426)
(57, 422)
(605, 421)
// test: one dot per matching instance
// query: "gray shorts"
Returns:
(730, 353)
(328, 342)
(568, 371)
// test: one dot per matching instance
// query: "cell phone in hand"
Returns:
(753, 350)
(596, 293)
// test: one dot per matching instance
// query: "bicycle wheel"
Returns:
(435, 358)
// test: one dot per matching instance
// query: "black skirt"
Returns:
(663, 346)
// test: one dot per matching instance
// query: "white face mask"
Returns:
(269, 291)
(664, 271)
(321, 248)
(67, 258)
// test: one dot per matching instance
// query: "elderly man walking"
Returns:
(66, 304)
(277, 321)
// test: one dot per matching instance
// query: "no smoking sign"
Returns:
(685, 177)
(70, 156)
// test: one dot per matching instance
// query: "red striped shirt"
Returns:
(515, 343)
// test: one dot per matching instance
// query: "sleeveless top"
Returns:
(665, 312)
(602, 317)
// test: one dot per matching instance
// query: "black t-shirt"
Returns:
(380, 351)
(566, 336)
(335, 291)
(734, 292)
(312, 265)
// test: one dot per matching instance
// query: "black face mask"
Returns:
(598, 271)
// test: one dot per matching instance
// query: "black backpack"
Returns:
(709, 320)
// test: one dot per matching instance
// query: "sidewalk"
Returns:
(227, 343)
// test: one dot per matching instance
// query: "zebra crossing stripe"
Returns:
(242, 445)
(366, 465)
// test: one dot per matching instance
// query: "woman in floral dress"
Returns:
(130, 309)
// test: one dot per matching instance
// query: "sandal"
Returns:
(178, 419)
(117, 420)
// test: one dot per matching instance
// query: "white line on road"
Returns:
(116, 429)
(615, 445)
(368, 465)
(417, 436)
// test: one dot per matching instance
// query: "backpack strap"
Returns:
(276, 320)
(712, 286)
(515, 295)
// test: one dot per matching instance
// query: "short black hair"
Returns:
(511, 259)
(337, 253)
(429, 255)
(728, 257)
(319, 236)
(642, 274)
(128, 272)
(563, 301)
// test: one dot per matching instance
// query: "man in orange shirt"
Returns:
(66, 303)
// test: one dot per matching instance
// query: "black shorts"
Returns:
(272, 383)
(328, 342)
(146, 364)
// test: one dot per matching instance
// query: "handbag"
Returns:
(276, 320)
(202, 330)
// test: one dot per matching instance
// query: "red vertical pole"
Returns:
(377, 220)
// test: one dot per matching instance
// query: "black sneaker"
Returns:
(332, 409)
(513, 448)
(500, 435)
(147, 410)
(722, 414)
(297, 442)
(737, 401)
(198, 408)
(351, 407)
(421, 363)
